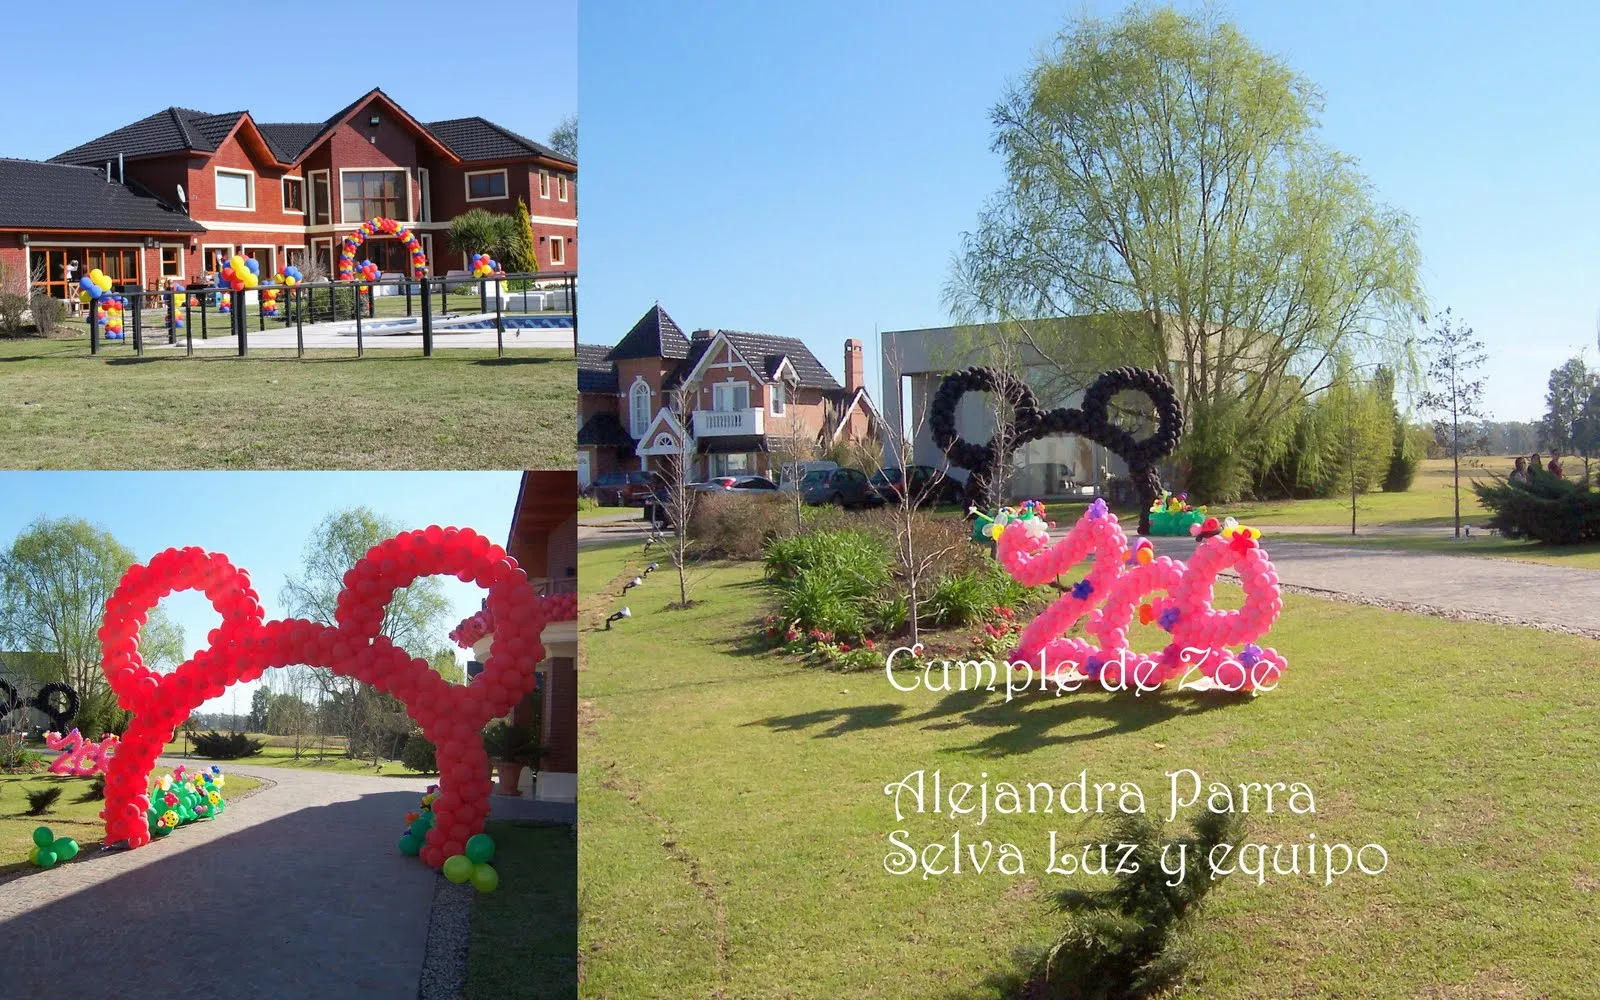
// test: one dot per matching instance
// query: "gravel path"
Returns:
(296, 892)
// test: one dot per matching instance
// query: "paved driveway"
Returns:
(297, 892)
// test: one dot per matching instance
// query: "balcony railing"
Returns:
(725, 423)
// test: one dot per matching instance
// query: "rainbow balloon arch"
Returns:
(244, 646)
(351, 270)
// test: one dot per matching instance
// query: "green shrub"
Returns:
(1548, 509)
(588, 503)
(814, 603)
(889, 615)
(231, 746)
(41, 800)
(419, 753)
(96, 791)
(1410, 445)
(959, 599)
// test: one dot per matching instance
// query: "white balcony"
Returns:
(728, 423)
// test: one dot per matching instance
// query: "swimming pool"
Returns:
(471, 323)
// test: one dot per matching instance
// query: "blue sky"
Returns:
(307, 70)
(807, 169)
(260, 520)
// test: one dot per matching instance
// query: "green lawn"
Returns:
(390, 410)
(735, 825)
(525, 933)
(72, 816)
(1429, 502)
(606, 513)
(279, 752)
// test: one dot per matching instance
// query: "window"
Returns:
(778, 400)
(639, 409)
(561, 187)
(294, 195)
(387, 252)
(727, 397)
(544, 184)
(216, 258)
(486, 185)
(558, 250)
(294, 256)
(235, 190)
(121, 265)
(172, 262)
(374, 194)
(427, 196)
(264, 258)
(321, 202)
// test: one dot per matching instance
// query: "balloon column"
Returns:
(1090, 420)
(244, 646)
(1119, 582)
(483, 267)
(381, 227)
(471, 865)
(96, 287)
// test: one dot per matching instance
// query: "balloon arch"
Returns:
(381, 227)
(244, 646)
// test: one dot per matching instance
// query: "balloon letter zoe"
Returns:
(244, 646)
(1119, 582)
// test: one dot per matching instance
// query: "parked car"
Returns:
(789, 475)
(622, 489)
(928, 485)
(845, 487)
(658, 505)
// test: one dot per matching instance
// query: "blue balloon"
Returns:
(250, 263)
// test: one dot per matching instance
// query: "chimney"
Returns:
(703, 334)
(854, 366)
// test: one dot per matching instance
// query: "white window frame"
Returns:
(505, 182)
(215, 246)
(731, 386)
(283, 183)
(249, 189)
(558, 251)
(311, 189)
(427, 249)
(264, 278)
(634, 395)
(561, 187)
(780, 398)
(183, 265)
(372, 170)
(544, 184)
(284, 252)
(321, 241)
(425, 182)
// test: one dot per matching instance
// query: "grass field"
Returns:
(279, 752)
(73, 815)
(1430, 501)
(735, 826)
(525, 934)
(390, 410)
(606, 513)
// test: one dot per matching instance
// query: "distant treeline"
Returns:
(1490, 437)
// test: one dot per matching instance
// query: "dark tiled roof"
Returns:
(765, 353)
(604, 430)
(654, 336)
(480, 139)
(289, 139)
(59, 196)
(595, 372)
(174, 130)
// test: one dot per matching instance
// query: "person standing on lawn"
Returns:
(1519, 472)
(1535, 466)
(1554, 468)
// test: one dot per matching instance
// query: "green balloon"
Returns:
(480, 848)
(42, 837)
(419, 828)
(458, 868)
(46, 858)
(409, 846)
(485, 879)
(66, 848)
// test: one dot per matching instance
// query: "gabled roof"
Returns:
(481, 139)
(773, 350)
(174, 130)
(343, 114)
(595, 372)
(604, 430)
(36, 195)
(289, 139)
(654, 336)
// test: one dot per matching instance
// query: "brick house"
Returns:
(737, 397)
(168, 197)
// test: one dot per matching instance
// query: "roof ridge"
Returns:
(47, 163)
(183, 126)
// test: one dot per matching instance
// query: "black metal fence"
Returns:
(224, 312)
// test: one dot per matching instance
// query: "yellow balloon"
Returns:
(96, 274)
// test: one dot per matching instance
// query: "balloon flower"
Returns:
(986, 529)
(484, 267)
(1171, 514)
(1165, 591)
(181, 798)
(48, 849)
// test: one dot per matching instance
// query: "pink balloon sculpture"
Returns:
(1200, 633)
(81, 758)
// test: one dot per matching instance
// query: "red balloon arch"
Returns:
(244, 646)
(381, 227)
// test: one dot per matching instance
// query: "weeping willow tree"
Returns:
(1165, 177)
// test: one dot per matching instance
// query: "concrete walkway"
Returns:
(296, 892)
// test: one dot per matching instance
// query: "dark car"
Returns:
(928, 485)
(845, 487)
(621, 489)
(659, 504)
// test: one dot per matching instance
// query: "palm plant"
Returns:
(499, 236)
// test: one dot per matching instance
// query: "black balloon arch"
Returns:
(1091, 420)
(58, 701)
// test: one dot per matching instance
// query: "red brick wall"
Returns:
(13, 262)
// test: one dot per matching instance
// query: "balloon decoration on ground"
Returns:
(471, 864)
(381, 227)
(78, 756)
(986, 529)
(184, 797)
(1091, 420)
(1120, 585)
(1172, 515)
(244, 646)
(48, 850)
(484, 267)
(95, 287)
(239, 273)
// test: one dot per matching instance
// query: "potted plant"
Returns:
(511, 748)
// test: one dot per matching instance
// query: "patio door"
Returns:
(54, 264)
(727, 397)
(121, 265)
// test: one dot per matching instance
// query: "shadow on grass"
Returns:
(520, 360)
(1018, 726)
